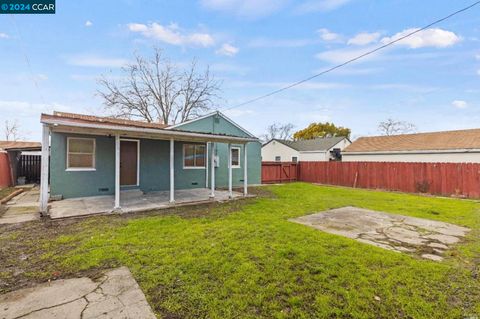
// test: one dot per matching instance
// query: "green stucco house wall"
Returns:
(153, 168)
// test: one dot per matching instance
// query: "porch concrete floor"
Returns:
(133, 201)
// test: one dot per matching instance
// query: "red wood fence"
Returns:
(279, 172)
(446, 179)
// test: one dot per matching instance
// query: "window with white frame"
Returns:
(194, 155)
(294, 159)
(278, 158)
(235, 157)
(80, 153)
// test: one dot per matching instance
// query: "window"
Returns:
(80, 153)
(194, 155)
(294, 159)
(235, 157)
(278, 158)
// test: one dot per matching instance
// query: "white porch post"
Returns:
(117, 171)
(44, 170)
(212, 168)
(230, 193)
(172, 171)
(206, 164)
(245, 170)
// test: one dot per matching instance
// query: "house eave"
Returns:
(449, 151)
(60, 125)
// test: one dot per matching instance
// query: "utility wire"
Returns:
(356, 58)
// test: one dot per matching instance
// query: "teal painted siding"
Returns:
(154, 164)
(154, 168)
(217, 124)
(80, 184)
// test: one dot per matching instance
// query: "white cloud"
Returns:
(460, 104)
(364, 38)
(320, 5)
(342, 55)
(228, 50)
(245, 8)
(433, 37)
(279, 43)
(96, 61)
(278, 85)
(88, 23)
(172, 34)
(4, 35)
(328, 35)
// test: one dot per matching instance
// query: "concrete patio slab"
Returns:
(22, 208)
(134, 201)
(116, 295)
(426, 238)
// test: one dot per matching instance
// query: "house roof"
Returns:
(108, 120)
(317, 144)
(13, 145)
(88, 124)
(226, 118)
(446, 140)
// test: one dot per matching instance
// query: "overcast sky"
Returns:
(51, 62)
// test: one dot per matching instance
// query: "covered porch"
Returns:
(163, 161)
(135, 201)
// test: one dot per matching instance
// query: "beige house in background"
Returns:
(319, 149)
(462, 146)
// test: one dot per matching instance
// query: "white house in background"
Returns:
(318, 150)
(462, 146)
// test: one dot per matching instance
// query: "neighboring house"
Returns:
(10, 154)
(318, 149)
(448, 146)
(92, 155)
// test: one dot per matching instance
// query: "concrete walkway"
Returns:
(424, 237)
(22, 208)
(116, 295)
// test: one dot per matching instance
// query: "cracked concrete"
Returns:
(426, 238)
(22, 208)
(116, 295)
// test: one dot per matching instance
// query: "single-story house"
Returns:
(10, 154)
(318, 149)
(92, 156)
(462, 146)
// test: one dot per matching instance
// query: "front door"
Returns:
(128, 163)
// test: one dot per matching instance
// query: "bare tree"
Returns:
(279, 131)
(394, 127)
(157, 90)
(12, 131)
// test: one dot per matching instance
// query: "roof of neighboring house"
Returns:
(446, 140)
(317, 144)
(106, 120)
(14, 145)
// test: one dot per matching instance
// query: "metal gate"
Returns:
(29, 167)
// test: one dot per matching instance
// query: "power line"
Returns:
(356, 58)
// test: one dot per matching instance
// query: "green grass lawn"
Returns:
(246, 260)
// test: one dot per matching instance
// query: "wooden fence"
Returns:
(279, 172)
(446, 179)
(29, 167)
